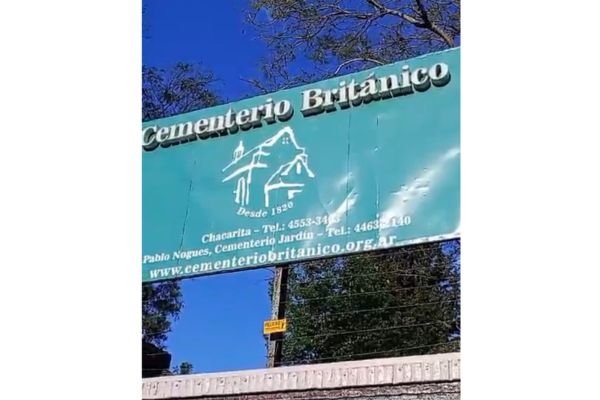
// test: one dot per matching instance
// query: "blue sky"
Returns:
(210, 32)
(220, 327)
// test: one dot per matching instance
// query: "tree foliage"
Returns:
(392, 303)
(179, 89)
(165, 92)
(315, 39)
(185, 368)
(161, 304)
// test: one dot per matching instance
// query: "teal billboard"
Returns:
(351, 164)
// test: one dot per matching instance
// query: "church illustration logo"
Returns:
(267, 178)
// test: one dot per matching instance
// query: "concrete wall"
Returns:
(430, 377)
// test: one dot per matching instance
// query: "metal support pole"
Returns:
(277, 312)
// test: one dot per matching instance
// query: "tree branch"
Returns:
(397, 13)
(425, 23)
(342, 65)
(423, 11)
(447, 38)
(433, 26)
(256, 84)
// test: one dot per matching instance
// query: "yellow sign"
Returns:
(275, 326)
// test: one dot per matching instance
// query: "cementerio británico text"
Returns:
(314, 101)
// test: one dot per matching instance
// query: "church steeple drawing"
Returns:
(238, 152)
